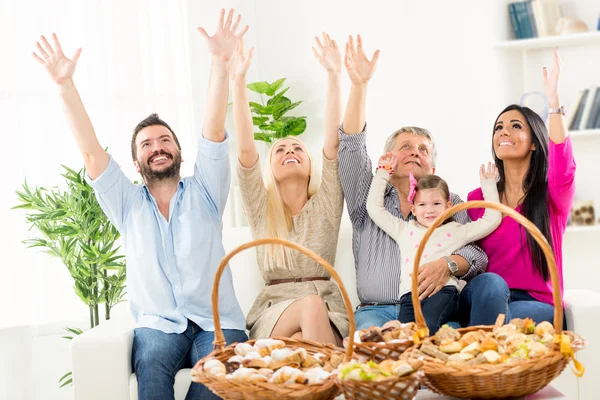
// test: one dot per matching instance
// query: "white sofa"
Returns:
(102, 356)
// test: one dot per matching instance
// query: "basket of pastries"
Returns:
(388, 379)
(511, 359)
(387, 342)
(272, 368)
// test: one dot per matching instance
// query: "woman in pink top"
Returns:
(537, 173)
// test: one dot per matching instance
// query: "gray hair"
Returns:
(390, 143)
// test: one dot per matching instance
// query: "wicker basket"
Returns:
(497, 380)
(378, 351)
(234, 389)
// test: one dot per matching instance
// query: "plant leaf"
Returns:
(284, 109)
(263, 137)
(259, 120)
(274, 86)
(66, 379)
(294, 127)
(259, 87)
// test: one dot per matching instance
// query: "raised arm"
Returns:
(491, 218)
(61, 70)
(330, 57)
(558, 129)
(561, 163)
(375, 202)
(242, 117)
(221, 46)
(354, 168)
(360, 70)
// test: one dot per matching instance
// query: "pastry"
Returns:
(241, 349)
(215, 368)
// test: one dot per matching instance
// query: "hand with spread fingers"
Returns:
(328, 54)
(491, 172)
(359, 68)
(223, 43)
(240, 62)
(388, 161)
(59, 67)
(551, 80)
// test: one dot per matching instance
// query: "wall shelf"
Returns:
(591, 228)
(548, 42)
(585, 133)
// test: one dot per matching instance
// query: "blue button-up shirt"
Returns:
(171, 264)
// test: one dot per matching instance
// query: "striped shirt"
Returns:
(376, 254)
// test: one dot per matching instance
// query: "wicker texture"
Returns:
(237, 390)
(404, 388)
(378, 352)
(494, 380)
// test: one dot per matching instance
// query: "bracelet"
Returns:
(386, 168)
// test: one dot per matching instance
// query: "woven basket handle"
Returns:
(531, 228)
(219, 341)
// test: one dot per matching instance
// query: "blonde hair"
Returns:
(279, 217)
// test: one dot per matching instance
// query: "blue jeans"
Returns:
(375, 315)
(157, 356)
(487, 295)
(437, 310)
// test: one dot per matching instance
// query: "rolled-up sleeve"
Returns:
(354, 167)
(212, 172)
(114, 192)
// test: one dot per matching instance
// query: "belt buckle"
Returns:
(297, 280)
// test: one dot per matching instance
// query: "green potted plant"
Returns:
(73, 227)
(269, 117)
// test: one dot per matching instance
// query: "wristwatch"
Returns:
(452, 266)
(560, 110)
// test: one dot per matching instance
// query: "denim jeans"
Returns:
(157, 356)
(437, 310)
(487, 295)
(375, 315)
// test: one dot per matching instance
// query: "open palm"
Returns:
(551, 79)
(223, 43)
(59, 67)
(239, 62)
(359, 68)
(328, 54)
(491, 172)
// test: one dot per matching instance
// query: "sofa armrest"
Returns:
(102, 361)
(582, 310)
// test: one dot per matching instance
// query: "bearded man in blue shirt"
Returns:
(171, 227)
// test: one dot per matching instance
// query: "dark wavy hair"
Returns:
(535, 185)
(150, 120)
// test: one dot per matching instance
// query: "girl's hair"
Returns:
(535, 185)
(279, 217)
(434, 182)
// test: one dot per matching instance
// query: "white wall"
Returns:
(437, 69)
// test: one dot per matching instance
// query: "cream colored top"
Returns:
(315, 227)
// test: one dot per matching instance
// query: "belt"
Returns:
(296, 280)
(377, 304)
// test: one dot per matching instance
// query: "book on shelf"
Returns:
(585, 111)
(534, 18)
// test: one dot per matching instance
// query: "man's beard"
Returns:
(152, 177)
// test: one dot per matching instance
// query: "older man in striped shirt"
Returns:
(377, 255)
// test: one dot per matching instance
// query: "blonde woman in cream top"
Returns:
(289, 201)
